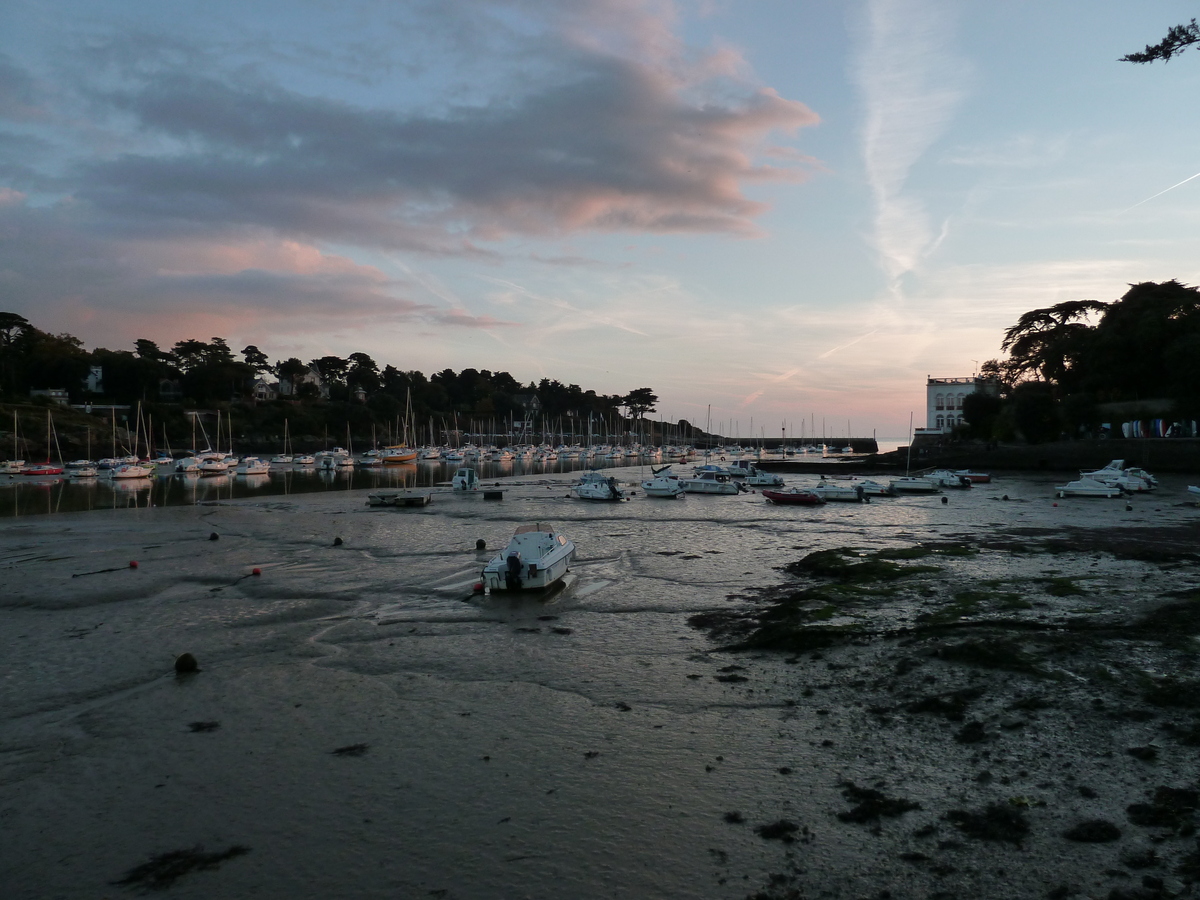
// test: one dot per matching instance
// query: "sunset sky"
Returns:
(790, 210)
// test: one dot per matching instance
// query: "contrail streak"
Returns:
(1159, 194)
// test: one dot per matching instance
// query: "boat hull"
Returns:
(794, 498)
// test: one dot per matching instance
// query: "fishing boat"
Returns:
(664, 484)
(795, 496)
(594, 486)
(1087, 487)
(535, 558)
(711, 480)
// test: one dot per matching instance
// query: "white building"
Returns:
(944, 401)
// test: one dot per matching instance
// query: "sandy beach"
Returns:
(698, 713)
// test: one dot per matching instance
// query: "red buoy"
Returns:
(133, 564)
(478, 587)
(256, 572)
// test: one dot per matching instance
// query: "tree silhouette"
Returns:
(1178, 39)
(1047, 344)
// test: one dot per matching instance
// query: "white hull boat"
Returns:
(129, 470)
(711, 480)
(742, 470)
(536, 557)
(1087, 487)
(251, 465)
(911, 484)
(594, 486)
(840, 493)
(663, 484)
(465, 479)
(947, 479)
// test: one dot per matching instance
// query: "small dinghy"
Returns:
(406, 497)
(536, 557)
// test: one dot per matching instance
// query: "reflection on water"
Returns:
(24, 496)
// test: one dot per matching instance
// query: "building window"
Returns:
(960, 400)
(940, 402)
(941, 421)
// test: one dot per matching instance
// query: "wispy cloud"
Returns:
(911, 84)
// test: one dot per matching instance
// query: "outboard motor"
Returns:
(512, 572)
(612, 489)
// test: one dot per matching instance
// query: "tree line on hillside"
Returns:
(210, 374)
(1065, 362)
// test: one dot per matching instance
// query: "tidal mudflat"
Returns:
(987, 697)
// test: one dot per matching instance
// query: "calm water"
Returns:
(24, 496)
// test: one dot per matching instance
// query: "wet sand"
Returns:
(360, 726)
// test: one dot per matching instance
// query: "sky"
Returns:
(777, 214)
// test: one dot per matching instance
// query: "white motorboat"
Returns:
(664, 484)
(189, 465)
(465, 479)
(912, 484)
(251, 465)
(832, 492)
(1132, 478)
(212, 466)
(873, 488)
(303, 460)
(81, 469)
(594, 486)
(283, 459)
(947, 479)
(536, 557)
(711, 480)
(1087, 487)
(742, 470)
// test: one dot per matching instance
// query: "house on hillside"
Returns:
(312, 376)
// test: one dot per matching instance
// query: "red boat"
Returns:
(804, 498)
(42, 469)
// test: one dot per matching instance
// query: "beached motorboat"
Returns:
(711, 480)
(1116, 474)
(465, 479)
(665, 483)
(873, 488)
(742, 470)
(974, 477)
(947, 479)
(594, 486)
(912, 484)
(797, 496)
(1087, 487)
(846, 492)
(536, 557)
